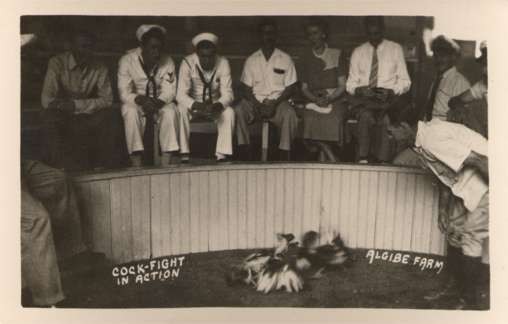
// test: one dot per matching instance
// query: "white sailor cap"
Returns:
(143, 29)
(205, 37)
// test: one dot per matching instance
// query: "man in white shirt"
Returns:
(377, 73)
(268, 81)
(204, 90)
(147, 87)
(458, 157)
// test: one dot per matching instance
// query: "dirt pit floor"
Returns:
(197, 280)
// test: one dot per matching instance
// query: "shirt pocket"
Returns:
(278, 76)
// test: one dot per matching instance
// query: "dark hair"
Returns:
(205, 44)
(267, 22)
(443, 46)
(374, 21)
(321, 24)
(154, 32)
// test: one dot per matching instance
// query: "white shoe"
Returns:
(363, 161)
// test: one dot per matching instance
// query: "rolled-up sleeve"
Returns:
(104, 95)
(226, 89)
(125, 82)
(50, 86)
(184, 86)
(403, 82)
(353, 80)
(247, 74)
(168, 83)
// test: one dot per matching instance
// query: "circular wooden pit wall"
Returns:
(138, 214)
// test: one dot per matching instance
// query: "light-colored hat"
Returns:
(145, 28)
(205, 37)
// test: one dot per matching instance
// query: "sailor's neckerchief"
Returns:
(207, 85)
(151, 79)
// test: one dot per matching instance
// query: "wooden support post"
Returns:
(264, 141)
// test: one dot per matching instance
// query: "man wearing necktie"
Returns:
(76, 99)
(377, 81)
(205, 92)
(147, 87)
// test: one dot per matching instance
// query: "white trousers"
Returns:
(134, 122)
(225, 128)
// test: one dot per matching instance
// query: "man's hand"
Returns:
(268, 109)
(383, 94)
(443, 219)
(364, 91)
(64, 105)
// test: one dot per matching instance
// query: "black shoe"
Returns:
(184, 158)
(284, 155)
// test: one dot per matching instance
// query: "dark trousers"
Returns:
(82, 141)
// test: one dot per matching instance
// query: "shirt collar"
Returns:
(72, 64)
(383, 42)
(322, 54)
(276, 52)
(450, 71)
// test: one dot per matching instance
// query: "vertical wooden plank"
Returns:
(157, 232)
(233, 201)
(372, 202)
(185, 213)
(381, 214)
(325, 222)
(270, 208)
(279, 202)
(194, 218)
(85, 205)
(391, 204)
(299, 200)
(418, 215)
(363, 209)
(242, 209)
(260, 208)
(353, 206)
(140, 213)
(345, 211)
(165, 203)
(175, 191)
(289, 202)
(400, 202)
(336, 194)
(101, 217)
(307, 200)
(436, 237)
(121, 222)
(408, 216)
(214, 240)
(223, 209)
(316, 200)
(204, 211)
(428, 215)
(251, 208)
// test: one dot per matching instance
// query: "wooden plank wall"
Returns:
(163, 212)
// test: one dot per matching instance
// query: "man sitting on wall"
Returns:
(377, 82)
(77, 97)
(205, 92)
(458, 157)
(147, 87)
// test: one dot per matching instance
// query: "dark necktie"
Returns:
(374, 69)
(430, 103)
(207, 86)
(151, 92)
